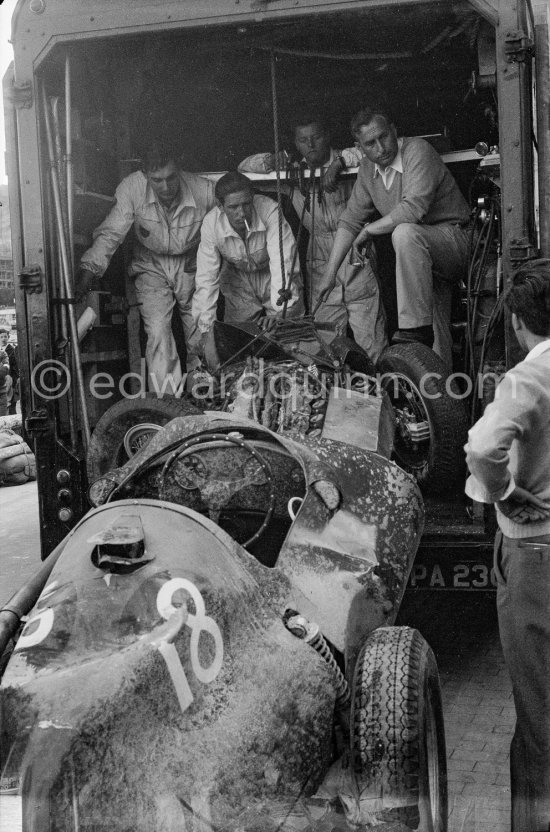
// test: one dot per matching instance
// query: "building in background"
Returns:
(7, 289)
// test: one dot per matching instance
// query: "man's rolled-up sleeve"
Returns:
(422, 174)
(207, 278)
(112, 231)
(257, 163)
(489, 441)
(352, 156)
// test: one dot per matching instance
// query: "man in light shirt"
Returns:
(239, 254)
(166, 206)
(508, 454)
(319, 197)
(405, 184)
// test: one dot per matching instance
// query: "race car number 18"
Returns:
(198, 622)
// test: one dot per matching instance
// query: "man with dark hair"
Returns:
(404, 182)
(320, 199)
(166, 206)
(239, 255)
(508, 454)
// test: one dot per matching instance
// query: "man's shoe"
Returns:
(415, 335)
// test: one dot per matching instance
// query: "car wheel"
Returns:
(397, 737)
(127, 426)
(431, 420)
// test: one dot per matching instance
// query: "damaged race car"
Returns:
(212, 646)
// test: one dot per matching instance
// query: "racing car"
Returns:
(213, 646)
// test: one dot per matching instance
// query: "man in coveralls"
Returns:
(239, 255)
(354, 297)
(166, 206)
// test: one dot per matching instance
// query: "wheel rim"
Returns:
(431, 802)
(411, 415)
(137, 437)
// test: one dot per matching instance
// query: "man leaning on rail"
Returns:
(166, 206)
(404, 182)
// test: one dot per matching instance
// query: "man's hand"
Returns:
(270, 160)
(325, 289)
(331, 175)
(84, 281)
(361, 249)
(197, 343)
(523, 507)
(364, 241)
(268, 322)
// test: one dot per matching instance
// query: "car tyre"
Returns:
(418, 386)
(397, 736)
(126, 426)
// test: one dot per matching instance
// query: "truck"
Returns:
(226, 79)
(289, 698)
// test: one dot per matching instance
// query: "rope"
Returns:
(293, 264)
(311, 242)
(278, 180)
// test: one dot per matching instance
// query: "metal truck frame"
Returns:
(104, 53)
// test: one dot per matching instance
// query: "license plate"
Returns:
(447, 575)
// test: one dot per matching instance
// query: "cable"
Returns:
(278, 178)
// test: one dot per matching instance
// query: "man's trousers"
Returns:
(522, 569)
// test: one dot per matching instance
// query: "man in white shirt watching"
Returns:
(508, 454)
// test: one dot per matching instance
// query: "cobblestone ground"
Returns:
(477, 698)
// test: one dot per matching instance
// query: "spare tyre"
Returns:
(431, 420)
(127, 426)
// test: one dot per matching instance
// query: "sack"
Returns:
(17, 462)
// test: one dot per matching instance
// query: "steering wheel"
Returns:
(217, 490)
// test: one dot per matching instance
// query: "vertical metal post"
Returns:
(66, 272)
(542, 75)
(70, 212)
(69, 159)
(514, 88)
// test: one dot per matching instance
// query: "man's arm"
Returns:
(112, 231)
(207, 278)
(263, 162)
(506, 419)
(490, 440)
(359, 209)
(343, 241)
(423, 172)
